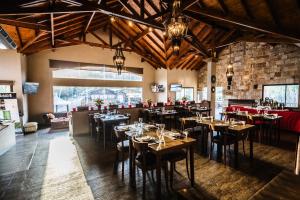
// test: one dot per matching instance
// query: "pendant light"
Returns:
(177, 27)
(229, 71)
(119, 59)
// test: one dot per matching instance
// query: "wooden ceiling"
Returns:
(36, 25)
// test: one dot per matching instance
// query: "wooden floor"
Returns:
(22, 172)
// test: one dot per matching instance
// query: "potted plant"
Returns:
(98, 103)
(184, 99)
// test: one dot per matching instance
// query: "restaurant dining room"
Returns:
(149, 99)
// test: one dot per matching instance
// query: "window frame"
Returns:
(10, 83)
(285, 86)
(183, 88)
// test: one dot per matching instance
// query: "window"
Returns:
(97, 73)
(6, 86)
(285, 93)
(68, 97)
(187, 92)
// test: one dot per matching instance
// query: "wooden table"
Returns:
(238, 130)
(270, 123)
(159, 150)
(109, 119)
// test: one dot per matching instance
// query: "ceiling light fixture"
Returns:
(177, 27)
(130, 23)
(229, 71)
(112, 19)
(119, 59)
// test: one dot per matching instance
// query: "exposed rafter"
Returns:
(241, 23)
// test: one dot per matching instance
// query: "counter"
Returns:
(7, 137)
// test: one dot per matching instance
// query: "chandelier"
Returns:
(177, 26)
(119, 59)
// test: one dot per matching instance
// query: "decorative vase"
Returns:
(99, 107)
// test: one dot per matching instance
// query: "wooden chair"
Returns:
(174, 157)
(122, 148)
(92, 125)
(222, 138)
(145, 160)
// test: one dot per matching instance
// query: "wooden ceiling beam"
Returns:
(98, 37)
(140, 51)
(273, 13)
(89, 22)
(19, 37)
(241, 23)
(188, 3)
(188, 63)
(12, 8)
(223, 6)
(196, 43)
(23, 24)
(196, 60)
(247, 9)
(136, 38)
(52, 31)
(29, 43)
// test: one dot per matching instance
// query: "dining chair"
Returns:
(174, 157)
(145, 160)
(223, 138)
(122, 146)
(92, 125)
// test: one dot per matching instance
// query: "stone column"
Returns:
(211, 71)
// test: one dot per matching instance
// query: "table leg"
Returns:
(251, 144)
(192, 168)
(297, 161)
(236, 153)
(131, 174)
(104, 136)
(158, 176)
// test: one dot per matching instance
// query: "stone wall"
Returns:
(256, 64)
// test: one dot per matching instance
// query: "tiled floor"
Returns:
(46, 166)
(43, 166)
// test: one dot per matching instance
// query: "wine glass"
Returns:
(135, 124)
(186, 133)
(140, 121)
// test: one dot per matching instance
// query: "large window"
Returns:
(285, 93)
(187, 92)
(97, 73)
(6, 86)
(68, 97)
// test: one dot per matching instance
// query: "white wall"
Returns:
(161, 78)
(187, 78)
(13, 68)
(166, 77)
(39, 71)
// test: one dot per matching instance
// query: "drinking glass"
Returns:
(231, 120)
(186, 133)
(135, 124)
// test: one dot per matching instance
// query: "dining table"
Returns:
(109, 119)
(270, 122)
(236, 128)
(159, 149)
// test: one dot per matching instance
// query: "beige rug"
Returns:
(64, 177)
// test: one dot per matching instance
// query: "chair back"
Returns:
(160, 104)
(120, 135)
(139, 147)
(220, 128)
